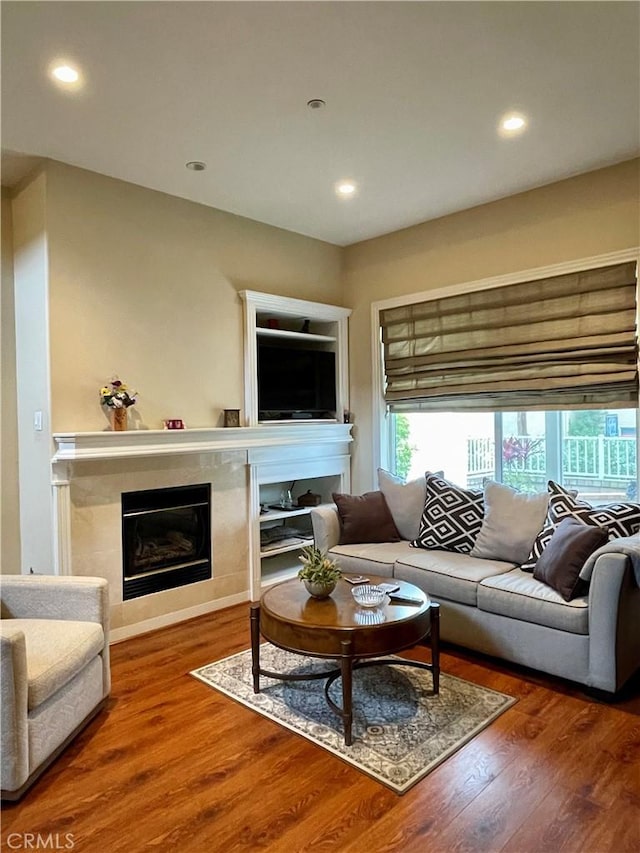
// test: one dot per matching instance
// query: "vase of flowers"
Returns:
(117, 397)
(319, 573)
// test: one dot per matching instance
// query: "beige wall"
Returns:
(30, 270)
(584, 216)
(146, 285)
(9, 493)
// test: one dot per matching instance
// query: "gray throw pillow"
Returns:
(511, 522)
(405, 501)
(570, 545)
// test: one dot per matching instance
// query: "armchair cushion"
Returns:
(56, 651)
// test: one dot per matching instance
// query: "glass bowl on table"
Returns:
(368, 595)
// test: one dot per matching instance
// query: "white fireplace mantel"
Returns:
(237, 461)
(78, 446)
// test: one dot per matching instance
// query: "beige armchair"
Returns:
(54, 669)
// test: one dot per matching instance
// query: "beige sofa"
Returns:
(494, 607)
(54, 669)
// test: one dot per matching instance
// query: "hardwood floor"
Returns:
(172, 765)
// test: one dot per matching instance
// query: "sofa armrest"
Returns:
(614, 627)
(14, 736)
(326, 526)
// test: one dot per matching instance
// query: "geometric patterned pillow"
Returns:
(452, 516)
(621, 519)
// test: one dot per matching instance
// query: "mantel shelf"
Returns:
(76, 446)
(298, 336)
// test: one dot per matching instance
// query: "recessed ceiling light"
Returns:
(512, 123)
(62, 72)
(196, 165)
(345, 189)
(66, 74)
(316, 104)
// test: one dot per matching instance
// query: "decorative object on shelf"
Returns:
(119, 419)
(174, 423)
(309, 499)
(232, 417)
(305, 327)
(319, 573)
(118, 397)
(347, 417)
(272, 323)
(286, 501)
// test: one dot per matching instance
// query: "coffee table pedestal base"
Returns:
(347, 662)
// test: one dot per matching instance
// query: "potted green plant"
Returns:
(319, 573)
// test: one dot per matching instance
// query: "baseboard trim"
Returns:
(126, 632)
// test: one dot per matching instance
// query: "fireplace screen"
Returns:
(166, 536)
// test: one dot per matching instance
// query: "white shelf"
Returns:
(263, 332)
(278, 574)
(283, 549)
(75, 446)
(300, 421)
(279, 515)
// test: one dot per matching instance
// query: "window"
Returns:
(592, 451)
(520, 379)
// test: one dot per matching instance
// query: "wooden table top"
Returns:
(292, 619)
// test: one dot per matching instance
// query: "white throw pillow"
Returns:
(405, 501)
(512, 520)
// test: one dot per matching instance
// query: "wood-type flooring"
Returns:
(174, 766)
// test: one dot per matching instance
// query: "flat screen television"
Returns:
(295, 383)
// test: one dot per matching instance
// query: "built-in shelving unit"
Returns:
(320, 468)
(280, 318)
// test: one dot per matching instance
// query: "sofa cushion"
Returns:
(451, 518)
(56, 651)
(365, 518)
(518, 595)
(369, 558)
(563, 558)
(511, 522)
(446, 574)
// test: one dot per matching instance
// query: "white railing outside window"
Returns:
(600, 460)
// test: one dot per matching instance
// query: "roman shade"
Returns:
(556, 343)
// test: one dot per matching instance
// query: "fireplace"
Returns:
(166, 538)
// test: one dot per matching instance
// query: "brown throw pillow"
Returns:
(560, 563)
(365, 518)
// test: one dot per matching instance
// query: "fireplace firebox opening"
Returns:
(166, 538)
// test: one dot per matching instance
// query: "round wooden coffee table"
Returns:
(338, 629)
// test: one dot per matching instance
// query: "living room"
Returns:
(121, 276)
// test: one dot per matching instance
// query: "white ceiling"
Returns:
(413, 92)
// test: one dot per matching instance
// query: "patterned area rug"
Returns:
(401, 731)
